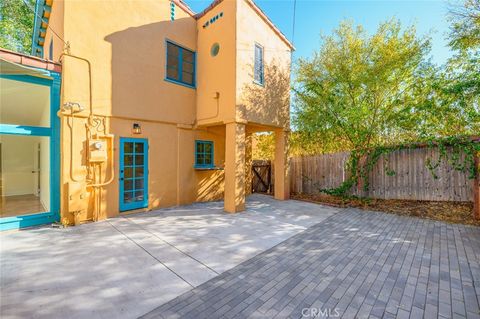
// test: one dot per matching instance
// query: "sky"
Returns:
(316, 17)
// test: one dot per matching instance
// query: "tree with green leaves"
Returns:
(465, 25)
(361, 90)
(375, 94)
(459, 83)
(16, 25)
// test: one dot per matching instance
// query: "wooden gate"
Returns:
(262, 177)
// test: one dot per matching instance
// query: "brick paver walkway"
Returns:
(355, 264)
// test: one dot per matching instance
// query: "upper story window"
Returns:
(180, 64)
(258, 66)
(204, 154)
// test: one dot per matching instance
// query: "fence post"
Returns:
(476, 189)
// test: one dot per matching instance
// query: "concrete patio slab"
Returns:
(127, 266)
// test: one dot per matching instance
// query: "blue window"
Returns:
(204, 154)
(180, 64)
(258, 66)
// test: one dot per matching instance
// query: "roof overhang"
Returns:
(13, 63)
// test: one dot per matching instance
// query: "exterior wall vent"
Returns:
(213, 20)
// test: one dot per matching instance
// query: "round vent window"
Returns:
(215, 49)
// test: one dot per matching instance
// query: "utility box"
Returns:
(97, 150)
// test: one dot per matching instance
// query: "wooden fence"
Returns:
(411, 179)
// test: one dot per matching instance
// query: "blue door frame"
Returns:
(53, 132)
(133, 177)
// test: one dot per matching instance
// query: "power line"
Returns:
(293, 24)
(41, 19)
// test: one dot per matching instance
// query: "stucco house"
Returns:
(129, 106)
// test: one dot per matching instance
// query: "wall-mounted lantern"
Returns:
(136, 129)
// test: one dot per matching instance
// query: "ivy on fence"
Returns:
(361, 163)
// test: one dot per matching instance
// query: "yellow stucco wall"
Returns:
(125, 44)
(217, 73)
(56, 23)
(124, 41)
(268, 104)
(236, 32)
(172, 179)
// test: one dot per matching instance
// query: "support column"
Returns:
(234, 197)
(282, 186)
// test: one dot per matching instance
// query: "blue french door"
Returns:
(133, 173)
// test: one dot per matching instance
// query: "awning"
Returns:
(10, 68)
